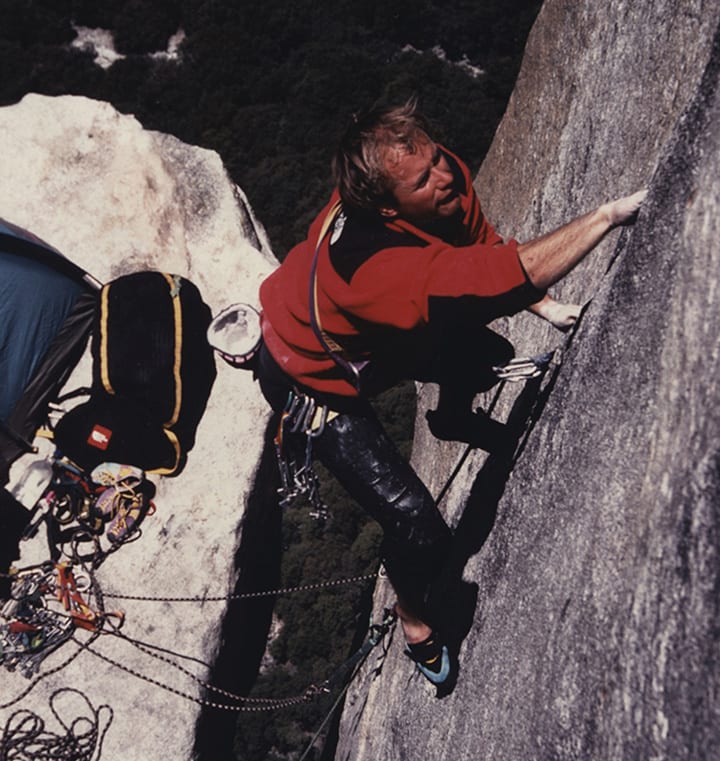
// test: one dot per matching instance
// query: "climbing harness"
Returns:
(302, 420)
(67, 498)
(75, 509)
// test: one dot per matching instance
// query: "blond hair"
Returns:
(359, 165)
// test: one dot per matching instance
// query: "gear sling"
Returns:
(304, 415)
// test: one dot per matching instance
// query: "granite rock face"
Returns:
(115, 198)
(590, 557)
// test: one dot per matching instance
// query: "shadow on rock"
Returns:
(246, 624)
(453, 600)
(13, 520)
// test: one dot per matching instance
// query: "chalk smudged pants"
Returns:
(355, 448)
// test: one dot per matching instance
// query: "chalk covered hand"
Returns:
(624, 210)
(561, 316)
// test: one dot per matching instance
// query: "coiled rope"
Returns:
(25, 737)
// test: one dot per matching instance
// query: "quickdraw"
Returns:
(376, 633)
(524, 368)
(302, 421)
(45, 607)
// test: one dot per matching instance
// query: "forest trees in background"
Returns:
(270, 85)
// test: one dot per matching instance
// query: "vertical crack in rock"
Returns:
(246, 623)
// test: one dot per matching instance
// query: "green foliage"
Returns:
(31, 23)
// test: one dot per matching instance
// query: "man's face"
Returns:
(421, 184)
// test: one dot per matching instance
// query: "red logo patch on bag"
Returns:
(99, 437)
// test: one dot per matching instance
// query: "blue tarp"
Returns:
(47, 305)
(36, 296)
(34, 302)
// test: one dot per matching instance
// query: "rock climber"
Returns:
(368, 299)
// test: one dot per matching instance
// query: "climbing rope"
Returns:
(247, 595)
(163, 654)
(241, 703)
(45, 674)
(25, 737)
(104, 625)
(245, 704)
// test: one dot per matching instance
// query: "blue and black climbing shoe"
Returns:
(431, 657)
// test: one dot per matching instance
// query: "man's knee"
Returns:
(416, 521)
(414, 560)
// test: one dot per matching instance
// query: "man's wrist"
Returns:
(624, 210)
(607, 215)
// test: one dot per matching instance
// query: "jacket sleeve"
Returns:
(397, 286)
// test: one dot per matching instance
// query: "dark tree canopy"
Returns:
(271, 85)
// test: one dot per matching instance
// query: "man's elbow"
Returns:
(533, 265)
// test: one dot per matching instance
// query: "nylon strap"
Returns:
(329, 344)
(174, 286)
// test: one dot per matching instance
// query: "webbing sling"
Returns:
(329, 344)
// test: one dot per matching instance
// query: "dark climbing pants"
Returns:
(416, 539)
(355, 448)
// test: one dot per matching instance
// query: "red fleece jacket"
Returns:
(383, 275)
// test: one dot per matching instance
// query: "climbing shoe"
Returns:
(116, 474)
(126, 499)
(130, 509)
(431, 657)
